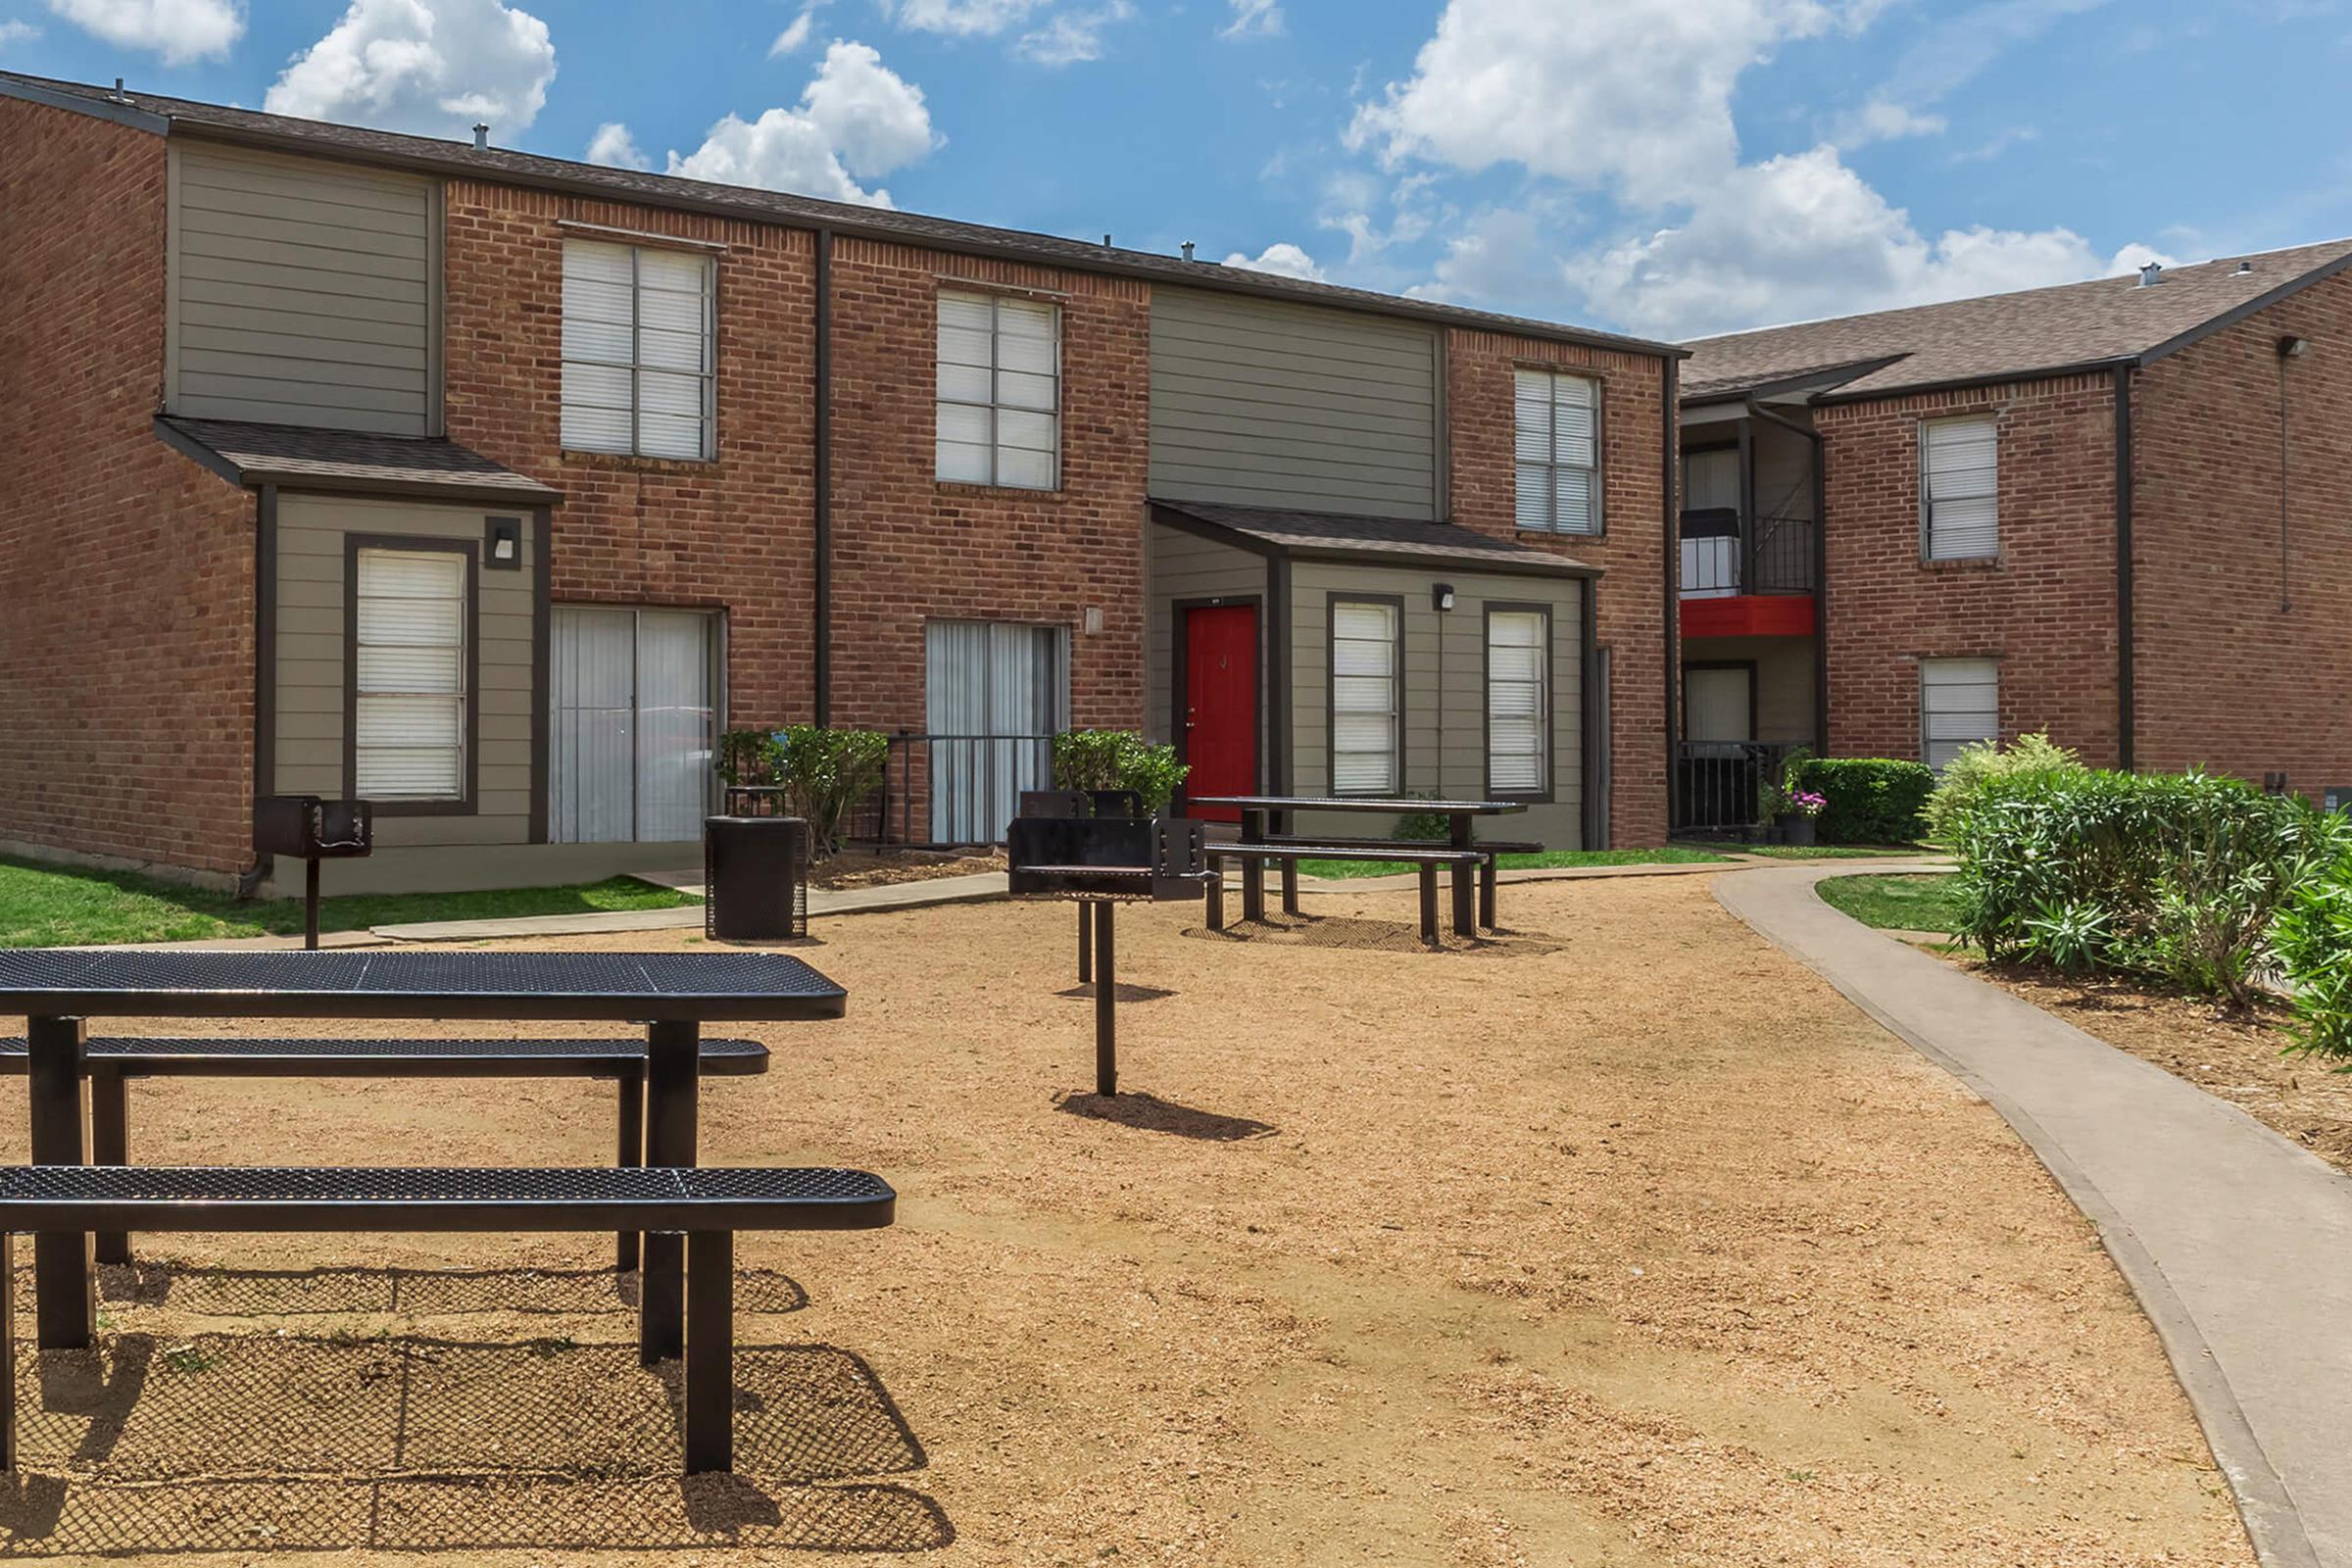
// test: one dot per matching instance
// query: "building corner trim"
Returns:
(822, 627)
(2125, 741)
(1670, 531)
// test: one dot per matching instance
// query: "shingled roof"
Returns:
(173, 116)
(2001, 336)
(428, 467)
(1372, 541)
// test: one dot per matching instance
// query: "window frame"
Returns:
(1926, 742)
(635, 367)
(1928, 553)
(1599, 486)
(467, 802)
(995, 406)
(1395, 605)
(1547, 726)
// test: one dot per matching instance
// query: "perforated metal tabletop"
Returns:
(594, 986)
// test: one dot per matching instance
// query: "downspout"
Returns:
(1820, 571)
(265, 670)
(822, 627)
(2123, 739)
(1670, 472)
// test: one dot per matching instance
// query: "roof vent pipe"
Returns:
(481, 137)
(2151, 275)
(2245, 270)
(1188, 250)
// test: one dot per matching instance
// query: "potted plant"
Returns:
(1798, 814)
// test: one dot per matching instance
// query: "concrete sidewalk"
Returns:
(2237, 1243)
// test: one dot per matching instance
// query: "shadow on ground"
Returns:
(421, 1293)
(1151, 1114)
(1356, 933)
(1125, 993)
(223, 1442)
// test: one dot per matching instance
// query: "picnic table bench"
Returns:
(1468, 856)
(61, 1201)
(1286, 853)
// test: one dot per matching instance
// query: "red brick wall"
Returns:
(2232, 673)
(125, 570)
(2045, 607)
(1631, 603)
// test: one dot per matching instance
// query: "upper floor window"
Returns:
(999, 391)
(1366, 697)
(1959, 486)
(1518, 709)
(409, 674)
(1558, 452)
(638, 350)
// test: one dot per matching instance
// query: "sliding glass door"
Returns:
(995, 695)
(633, 724)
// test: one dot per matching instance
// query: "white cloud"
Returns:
(1882, 121)
(13, 32)
(1071, 36)
(613, 144)
(1283, 257)
(430, 66)
(857, 120)
(181, 30)
(795, 33)
(1500, 256)
(962, 19)
(1252, 19)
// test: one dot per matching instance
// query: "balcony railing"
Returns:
(1720, 784)
(1719, 564)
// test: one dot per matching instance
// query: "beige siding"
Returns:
(1784, 680)
(311, 555)
(1179, 566)
(301, 292)
(1259, 403)
(1445, 691)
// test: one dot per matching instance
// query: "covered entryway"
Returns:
(1216, 718)
(632, 724)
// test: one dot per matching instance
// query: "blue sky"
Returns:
(1667, 167)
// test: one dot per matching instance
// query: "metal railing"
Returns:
(1720, 784)
(1779, 561)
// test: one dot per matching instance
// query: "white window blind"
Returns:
(1364, 681)
(410, 676)
(995, 694)
(1959, 703)
(638, 351)
(1518, 711)
(1959, 488)
(1558, 452)
(999, 391)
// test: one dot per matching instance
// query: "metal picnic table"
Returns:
(671, 994)
(1461, 817)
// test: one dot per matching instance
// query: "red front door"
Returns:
(1221, 704)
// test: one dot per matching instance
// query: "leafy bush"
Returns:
(2313, 938)
(1870, 799)
(825, 773)
(1117, 760)
(748, 756)
(1969, 776)
(2176, 875)
(1777, 797)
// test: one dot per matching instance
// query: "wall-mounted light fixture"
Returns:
(1092, 620)
(502, 548)
(1441, 597)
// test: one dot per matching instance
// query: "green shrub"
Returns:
(1117, 760)
(2313, 938)
(748, 756)
(825, 773)
(1776, 797)
(2180, 876)
(1969, 776)
(1872, 800)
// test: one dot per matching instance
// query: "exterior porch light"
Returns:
(504, 550)
(1441, 597)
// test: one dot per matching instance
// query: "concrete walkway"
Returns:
(2237, 1241)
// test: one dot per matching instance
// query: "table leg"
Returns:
(673, 1061)
(631, 1149)
(65, 1307)
(1485, 894)
(1106, 1005)
(1254, 870)
(1086, 945)
(110, 1145)
(8, 1353)
(1429, 904)
(710, 1352)
(1215, 894)
(1465, 919)
(1290, 887)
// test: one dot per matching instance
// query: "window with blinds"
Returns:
(1959, 485)
(1558, 452)
(999, 391)
(409, 676)
(1366, 698)
(1959, 705)
(639, 357)
(1518, 701)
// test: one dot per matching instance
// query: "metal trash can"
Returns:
(755, 878)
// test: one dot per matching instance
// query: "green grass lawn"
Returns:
(47, 905)
(1673, 854)
(1822, 852)
(1920, 902)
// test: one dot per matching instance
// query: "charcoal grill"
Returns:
(1063, 846)
(311, 829)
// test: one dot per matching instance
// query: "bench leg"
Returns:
(110, 1145)
(1253, 889)
(631, 1149)
(672, 1067)
(1485, 894)
(1086, 946)
(1290, 887)
(1216, 897)
(1465, 916)
(8, 1353)
(710, 1352)
(1429, 904)
(64, 1301)
(1106, 1005)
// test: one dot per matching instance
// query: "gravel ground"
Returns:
(1622, 1240)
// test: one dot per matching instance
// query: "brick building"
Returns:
(493, 489)
(2107, 510)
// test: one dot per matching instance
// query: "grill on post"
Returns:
(312, 830)
(1065, 846)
